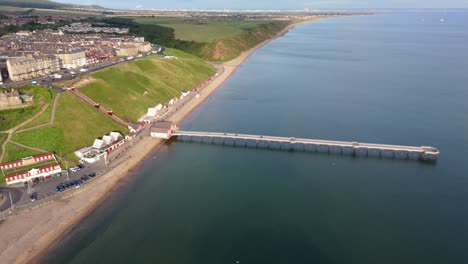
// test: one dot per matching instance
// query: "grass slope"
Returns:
(42, 4)
(11, 118)
(3, 137)
(211, 40)
(33, 3)
(202, 31)
(44, 118)
(229, 48)
(130, 88)
(14, 152)
(76, 125)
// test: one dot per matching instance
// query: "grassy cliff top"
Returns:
(202, 30)
(129, 89)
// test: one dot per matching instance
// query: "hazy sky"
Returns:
(274, 4)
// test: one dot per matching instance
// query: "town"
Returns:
(26, 55)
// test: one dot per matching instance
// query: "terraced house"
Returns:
(32, 66)
(71, 58)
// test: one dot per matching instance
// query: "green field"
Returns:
(202, 30)
(3, 137)
(44, 118)
(14, 152)
(6, 8)
(76, 125)
(215, 40)
(11, 118)
(65, 13)
(130, 88)
(228, 48)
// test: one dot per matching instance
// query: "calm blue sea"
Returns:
(397, 78)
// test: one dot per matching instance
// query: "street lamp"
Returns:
(11, 200)
(29, 186)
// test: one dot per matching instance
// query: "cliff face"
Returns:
(226, 49)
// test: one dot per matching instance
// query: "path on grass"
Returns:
(11, 131)
(51, 121)
(90, 101)
(30, 148)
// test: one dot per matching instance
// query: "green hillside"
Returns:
(12, 117)
(228, 48)
(211, 40)
(130, 88)
(33, 4)
(39, 4)
(201, 30)
(76, 125)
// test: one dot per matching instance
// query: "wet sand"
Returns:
(28, 234)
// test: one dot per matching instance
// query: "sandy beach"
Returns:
(30, 233)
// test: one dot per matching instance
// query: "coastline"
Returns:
(31, 233)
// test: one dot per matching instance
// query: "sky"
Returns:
(273, 4)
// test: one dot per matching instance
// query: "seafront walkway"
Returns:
(426, 153)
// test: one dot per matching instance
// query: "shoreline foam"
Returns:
(28, 235)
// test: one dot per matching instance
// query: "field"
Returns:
(211, 40)
(76, 125)
(202, 30)
(11, 118)
(63, 12)
(3, 137)
(44, 118)
(130, 88)
(6, 8)
(14, 152)
(226, 49)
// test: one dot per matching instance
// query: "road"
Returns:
(49, 82)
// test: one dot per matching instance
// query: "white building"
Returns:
(45, 171)
(100, 147)
(163, 130)
(72, 59)
(13, 172)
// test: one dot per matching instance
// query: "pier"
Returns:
(423, 153)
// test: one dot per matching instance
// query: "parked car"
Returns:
(75, 169)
